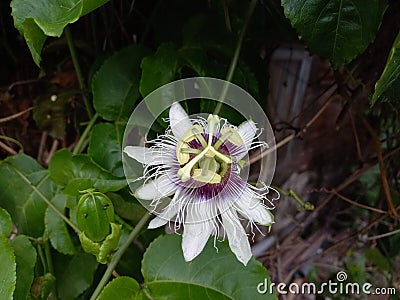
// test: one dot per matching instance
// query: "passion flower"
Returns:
(198, 161)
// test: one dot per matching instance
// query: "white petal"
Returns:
(254, 210)
(196, 232)
(157, 222)
(247, 131)
(167, 214)
(156, 189)
(144, 155)
(179, 120)
(237, 237)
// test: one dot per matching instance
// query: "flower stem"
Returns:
(78, 71)
(48, 202)
(42, 257)
(235, 58)
(48, 256)
(50, 263)
(117, 255)
(80, 145)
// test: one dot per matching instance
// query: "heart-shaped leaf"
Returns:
(159, 69)
(212, 275)
(33, 35)
(37, 19)
(105, 147)
(114, 96)
(338, 29)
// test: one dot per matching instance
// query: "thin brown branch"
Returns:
(14, 116)
(385, 183)
(42, 145)
(53, 149)
(8, 149)
(353, 177)
(344, 198)
(383, 235)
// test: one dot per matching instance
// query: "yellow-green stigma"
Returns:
(207, 165)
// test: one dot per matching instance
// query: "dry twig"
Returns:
(385, 183)
(14, 116)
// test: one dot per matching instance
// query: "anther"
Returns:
(190, 150)
(234, 136)
(182, 157)
(194, 132)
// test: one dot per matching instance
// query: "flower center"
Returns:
(206, 164)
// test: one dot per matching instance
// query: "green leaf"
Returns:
(90, 5)
(159, 69)
(197, 60)
(378, 259)
(34, 38)
(5, 223)
(56, 228)
(25, 255)
(129, 210)
(75, 275)
(212, 275)
(105, 147)
(356, 269)
(19, 174)
(339, 29)
(50, 16)
(79, 172)
(8, 269)
(390, 75)
(391, 94)
(37, 19)
(131, 261)
(121, 288)
(114, 96)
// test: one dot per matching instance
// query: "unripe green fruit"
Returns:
(95, 212)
